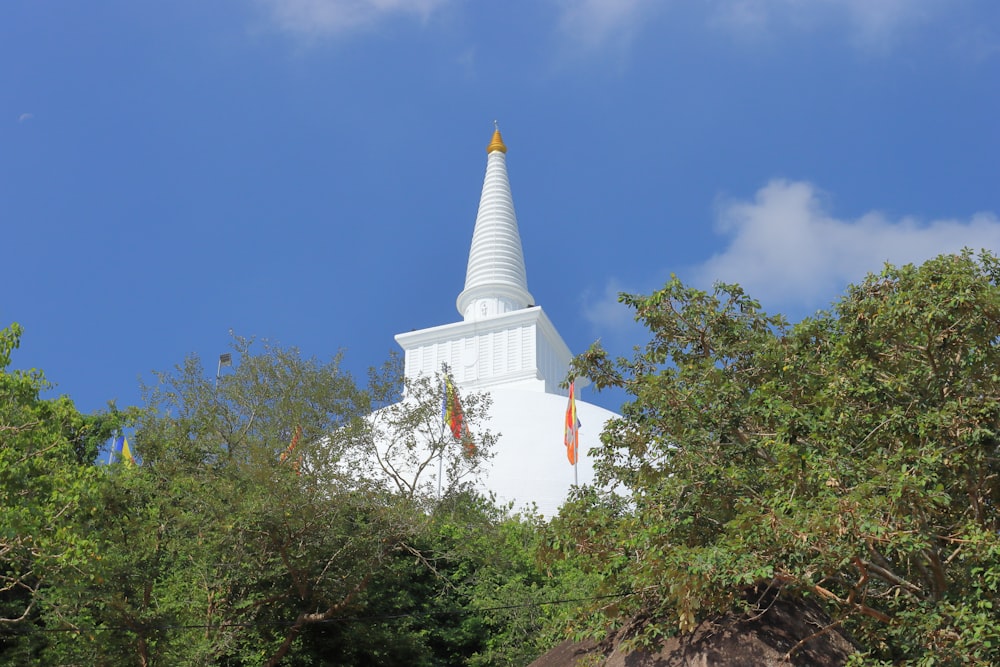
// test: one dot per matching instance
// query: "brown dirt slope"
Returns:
(733, 641)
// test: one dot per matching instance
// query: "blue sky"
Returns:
(309, 170)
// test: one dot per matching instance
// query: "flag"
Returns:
(468, 444)
(290, 449)
(571, 438)
(121, 449)
(454, 417)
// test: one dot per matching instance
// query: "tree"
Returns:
(852, 458)
(250, 534)
(47, 485)
(404, 443)
(464, 591)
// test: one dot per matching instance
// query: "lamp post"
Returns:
(225, 359)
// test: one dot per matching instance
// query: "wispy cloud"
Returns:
(786, 248)
(602, 24)
(603, 310)
(869, 22)
(331, 17)
(613, 322)
(467, 62)
(874, 18)
(25, 116)
(596, 23)
(593, 23)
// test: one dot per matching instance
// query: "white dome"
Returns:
(530, 464)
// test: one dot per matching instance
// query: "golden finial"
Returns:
(497, 143)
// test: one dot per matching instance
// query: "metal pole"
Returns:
(444, 411)
(576, 459)
(440, 465)
(225, 359)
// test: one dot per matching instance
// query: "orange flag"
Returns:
(452, 409)
(287, 454)
(454, 417)
(571, 438)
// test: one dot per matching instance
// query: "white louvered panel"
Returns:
(455, 356)
(497, 343)
(470, 354)
(442, 356)
(514, 346)
(528, 347)
(427, 360)
(483, 361)
(495, 353)
(415, 365)
(503, 344)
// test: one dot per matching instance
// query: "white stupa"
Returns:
(507, 346)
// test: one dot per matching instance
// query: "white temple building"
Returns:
(507, 346)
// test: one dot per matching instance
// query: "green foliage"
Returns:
(239, 530)
(250, 415)
(852, 457)
(488, 558)
(46, 487)
(282, 515)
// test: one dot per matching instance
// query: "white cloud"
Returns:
(319, 17)
(592, 23)
(785, 248)
(25, 116)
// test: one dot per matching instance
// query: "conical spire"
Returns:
(496, 281)
(497, 143)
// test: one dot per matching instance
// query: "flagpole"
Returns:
(440, 461)
(576, 459)
(444, 403)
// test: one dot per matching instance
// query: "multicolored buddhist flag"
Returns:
(121, 450)
(454, 418)
(571, 437)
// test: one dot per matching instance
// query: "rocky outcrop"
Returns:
(790, 632)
